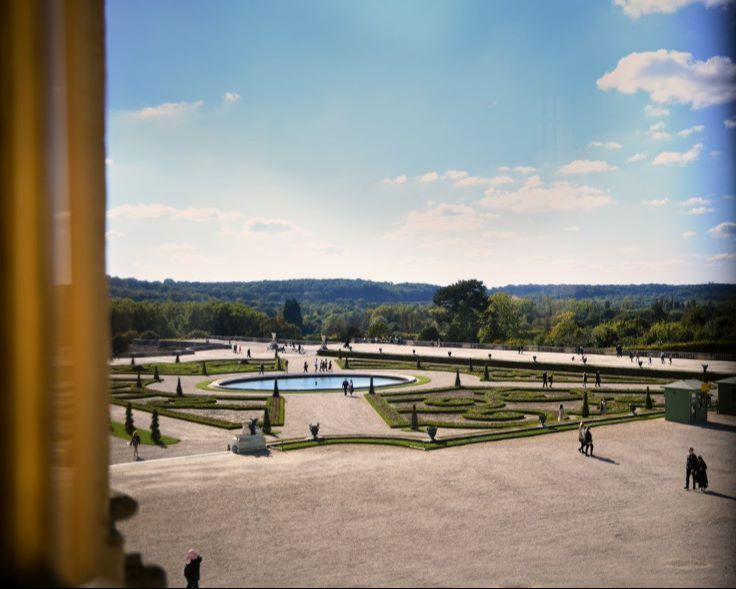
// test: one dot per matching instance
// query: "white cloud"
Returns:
(398, 181)
(656, 111)
(158, 211)
(586, 167)
(429, 177)
(722, 258)
(635, 8)
(524, 169)
(606, 145)
(572, 229)
(231, 97)
(638, 157)
(479, 181)
(136, 212)
(695, 201)
(690, 130)
(674, 77)
(454, 175)
(534, 197)
(168, 110)
(699, 211)
(114, 234)
(688, 234)
(439, 218)
(724, 230)
(730, 123)
(504, 169)
(657, 132)
(260, 225)
(657, 202)
(668, 158)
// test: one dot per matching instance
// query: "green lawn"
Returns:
(118, 430)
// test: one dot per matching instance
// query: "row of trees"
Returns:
(460, 312)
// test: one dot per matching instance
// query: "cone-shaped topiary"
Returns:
(204, 368)
(414, 418)
(347, 361)
(155, 431)
(648, 401)
(179, 390)
(177, 359)
(278, 362)
(458, 384)
(156, 377)
(266, 421)
(371, 388)
(138, 381)
(586, 409)
(276, 393)
(419, 364)
(129, 424)
(486, 376)
(132, 360)
(470, 364)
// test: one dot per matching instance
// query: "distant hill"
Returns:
(272, 293)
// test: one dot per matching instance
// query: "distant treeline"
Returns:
(635, 316)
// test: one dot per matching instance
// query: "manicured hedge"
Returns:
(388, 413)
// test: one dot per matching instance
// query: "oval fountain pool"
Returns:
(318, 382)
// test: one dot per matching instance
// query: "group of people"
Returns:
(597, 379)
(348, 387)
(319, 366)
(696, 468)
(585, 437)
(547, 379)
(237, 349)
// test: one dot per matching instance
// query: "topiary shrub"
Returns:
(486, 375)
(586, 410)
(156, 377)
(276, 393)
(414, 418)
(458, 384)
(278, 362)
(470, 364)
(347, 361)
(138, 381)
(179, 390)
(266, 421)
(419, 364)
(648, 402)
(132, 360)
(371, 388)
(204, 368)
(177, 359)
(155, 431)
(129, 424)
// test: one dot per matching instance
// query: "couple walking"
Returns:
(696, 467)
(586, 440)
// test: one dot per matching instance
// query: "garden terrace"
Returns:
(195, 367)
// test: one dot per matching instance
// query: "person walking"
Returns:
(581, 437)
(191, 569)
(691, 468)
(588, 442)
(135, 441)
(597, 378)
(544, 380)
(351, 387)
(549, 381)
(585, 380)
(702, 475)
(561, 413)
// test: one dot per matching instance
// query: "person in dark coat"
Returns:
(191, 570)
(691, 468)
(588, 442)
(702, 475)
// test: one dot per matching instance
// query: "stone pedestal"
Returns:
(247, 443)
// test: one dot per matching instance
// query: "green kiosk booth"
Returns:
(727, 395)
(686, 401)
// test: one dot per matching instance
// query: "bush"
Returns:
(586, 410)
(276, 393)
(486, 375)
(179, 390)
(129, 424)
(156, 377)
(138, 381)
(458, 384)
(414, 418)
(204, 368)
(648, 401)
(266, 422)
(155, 431)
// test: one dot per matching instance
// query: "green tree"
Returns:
(155, 431)
(129, 423)
(292, 313)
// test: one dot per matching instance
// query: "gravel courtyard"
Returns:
(522, 512)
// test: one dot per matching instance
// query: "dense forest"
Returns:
(699, 317)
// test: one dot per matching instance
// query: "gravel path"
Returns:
(523, 512)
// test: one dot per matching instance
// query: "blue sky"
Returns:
(511, 141)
